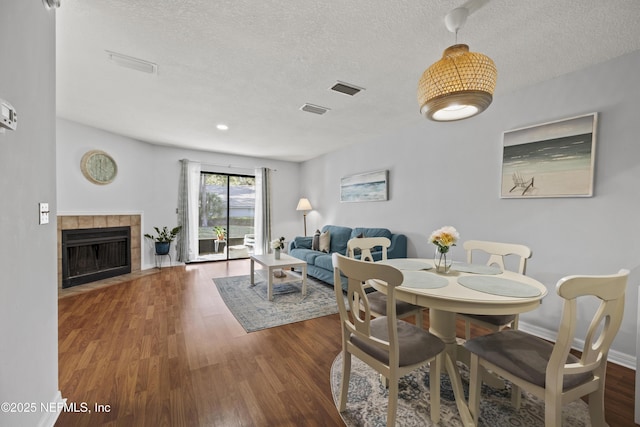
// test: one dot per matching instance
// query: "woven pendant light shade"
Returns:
(458, 86)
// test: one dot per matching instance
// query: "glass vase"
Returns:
(442, 261)
(276, 253)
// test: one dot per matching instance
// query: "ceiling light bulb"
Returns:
(222, 126)
(455, 112)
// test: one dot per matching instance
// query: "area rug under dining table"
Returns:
(250, 306)
(367, 401)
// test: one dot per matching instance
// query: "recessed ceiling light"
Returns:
(222, 126)
(133, 63)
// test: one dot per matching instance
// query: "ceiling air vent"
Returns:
(346, 88)
(315, 109)
(132, 63)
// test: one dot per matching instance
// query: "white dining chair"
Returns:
(496, 253)
(549, 371)
(391, 346)
(378, 300)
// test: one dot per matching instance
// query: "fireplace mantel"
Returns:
(74, 222)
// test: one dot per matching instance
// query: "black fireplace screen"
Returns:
(93, 254)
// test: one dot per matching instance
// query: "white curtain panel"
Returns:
(189, 187)
(194, 197)
(262, 224)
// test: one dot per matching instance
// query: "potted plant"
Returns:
(164, 238)
(220, 231)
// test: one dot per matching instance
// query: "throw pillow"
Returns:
(315, 245)
(325, 241)
(357, 251)
(302, 242)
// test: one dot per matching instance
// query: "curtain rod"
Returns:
(228, 165)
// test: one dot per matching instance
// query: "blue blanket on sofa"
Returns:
(319, 263)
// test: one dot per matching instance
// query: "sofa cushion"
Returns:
(302, 242)
(324, 261)
(339, 238)
(307, 255)
(371, 232)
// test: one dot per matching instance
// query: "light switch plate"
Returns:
(44, 213)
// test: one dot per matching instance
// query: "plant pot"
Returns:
(162, 248)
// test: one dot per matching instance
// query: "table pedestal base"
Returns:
(442, 324)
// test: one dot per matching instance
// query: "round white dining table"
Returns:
(466, 288)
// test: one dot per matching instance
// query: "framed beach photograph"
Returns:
(553, 159)
(365, 187)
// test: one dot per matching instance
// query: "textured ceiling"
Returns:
(252, 64)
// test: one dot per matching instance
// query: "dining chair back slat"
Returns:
(496, 253)
(378, 301)
(366, 245)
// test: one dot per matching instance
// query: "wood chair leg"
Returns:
(516, 397)
(475, 383)
(346, 375)
(384, 381)
(467, 330)
(419, 320)
(596, 407)
(553, 411)
(434, 387)
(393, 401)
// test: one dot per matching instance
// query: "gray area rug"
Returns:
(367, 401)
(251, 308)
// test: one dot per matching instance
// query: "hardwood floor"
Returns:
(163, 350)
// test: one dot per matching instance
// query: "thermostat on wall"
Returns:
(8, 116)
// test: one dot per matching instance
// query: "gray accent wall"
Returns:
(449, 174)
(28, 289)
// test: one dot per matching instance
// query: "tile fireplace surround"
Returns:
(74, 222)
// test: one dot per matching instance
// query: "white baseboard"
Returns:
(626, 360)
(49, 418)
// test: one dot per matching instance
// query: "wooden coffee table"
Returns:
(286, 262)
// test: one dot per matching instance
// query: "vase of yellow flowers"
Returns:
(443, 238)
(277, 245)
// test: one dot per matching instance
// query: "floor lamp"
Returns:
(304, 206)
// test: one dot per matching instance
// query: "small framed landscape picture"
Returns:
(364, 187)
(553, 159)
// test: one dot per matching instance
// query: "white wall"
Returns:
(147, 180)
(449, 174)
(28, 294)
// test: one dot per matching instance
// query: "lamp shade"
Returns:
(458, 86)
(304, 205)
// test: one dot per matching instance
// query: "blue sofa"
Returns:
(319, 264)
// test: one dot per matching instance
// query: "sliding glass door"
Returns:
(226, 216)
